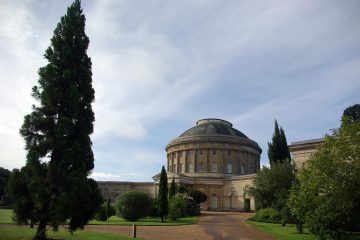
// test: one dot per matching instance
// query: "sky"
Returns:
(159, 66)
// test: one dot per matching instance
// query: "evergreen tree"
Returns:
(57, 134)
(278, 149)
(172, 190)
(163, 195)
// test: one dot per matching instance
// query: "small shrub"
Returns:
(177, 208)
(268, 215)
(133, 205)
(102, 215)
(247, 205)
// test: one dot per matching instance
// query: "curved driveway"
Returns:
(211, 226)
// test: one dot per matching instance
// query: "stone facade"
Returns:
(302, 151)
(216, 159)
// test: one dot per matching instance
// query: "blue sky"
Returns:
(159, 66)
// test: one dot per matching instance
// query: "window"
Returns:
(201, 152)
(214, 152)
(229, 167)
(229, 153)
(189, 153)
(182, 168)
(214, 167)
(242, 169)
(190, 169)
(201, 166)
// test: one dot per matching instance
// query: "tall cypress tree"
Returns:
(278, 151)
(57, 133)
(172, 190)
(163, 195)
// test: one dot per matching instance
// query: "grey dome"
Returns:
(213, 126)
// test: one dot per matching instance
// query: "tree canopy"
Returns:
(326, 195)
(278, 149)
(4, 178)
(57, 132)
(271, 185)
(352, 113)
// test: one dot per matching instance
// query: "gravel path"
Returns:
(211, 226)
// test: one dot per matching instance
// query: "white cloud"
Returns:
(100, 176)
(157, 63)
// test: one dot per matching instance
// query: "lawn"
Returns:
(114, 220)
(287, 232)
(6, 217)
(25, 233)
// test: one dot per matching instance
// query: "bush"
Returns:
(268, 215)
(197, 195)
(133, 205)
(247, 205)
(177, 208)
(154, 212)
(103, 214)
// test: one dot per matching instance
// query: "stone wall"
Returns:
(112, 189)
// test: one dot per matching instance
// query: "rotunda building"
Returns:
(213, 148)
(216, 159)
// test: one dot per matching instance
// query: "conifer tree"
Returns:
(278, 149)
(57, 134)
(172, 190)
(163, 195)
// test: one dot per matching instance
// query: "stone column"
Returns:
(208, 161)
(177, 162)
(195, 160)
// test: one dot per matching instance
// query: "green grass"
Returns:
(25, 233)
(6, 217)
(114, 220)
(287, 232)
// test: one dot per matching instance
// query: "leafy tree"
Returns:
(163, 195)
(278, 149)
(4, 178)
(172, 190)
(197, 195)
(271, 187)
(326, 195)
(352, 113)
(57, 134)
(133, 205)
(23, 205)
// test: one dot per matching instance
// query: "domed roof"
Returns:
(214, 130)
(213, 126)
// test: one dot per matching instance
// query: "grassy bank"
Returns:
(288, 232)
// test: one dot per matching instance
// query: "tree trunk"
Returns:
(299, 227)
(41, 231)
